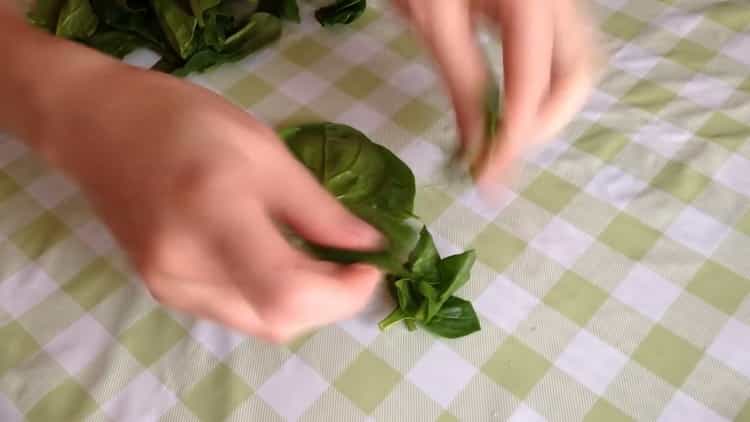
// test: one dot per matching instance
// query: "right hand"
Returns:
(196, 191)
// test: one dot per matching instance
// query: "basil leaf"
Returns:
(140, 22)
(199, 7)
(454, 273)
(76, 20)
(178, 26)
(456, 318)
(116, 43)
(342, 12)
(393, 318)
(424, 259)
(45, 13)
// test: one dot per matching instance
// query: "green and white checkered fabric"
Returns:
(613, 283)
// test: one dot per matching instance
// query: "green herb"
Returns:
(116, 43)
(342, 12)
(378, 187)
(77, 20)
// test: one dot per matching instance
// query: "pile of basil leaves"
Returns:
(189, 35)
(196, 35)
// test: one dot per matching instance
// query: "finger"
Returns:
(311, 211)
(527, 34)
(573, 68)
(449, 34)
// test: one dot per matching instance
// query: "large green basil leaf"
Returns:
(342, 12)
(77, 20)
(424, 259)
(178, 26)
(456, 318)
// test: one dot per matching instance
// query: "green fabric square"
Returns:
(603, 411)
(690, 54)
(359, 82)
(623, 26)
(667, 355)
(497, 248)
(681, 181)
(152, 336)
(430, 203)
(248, 91)
(447, 417)
(417, 116)
(720, 287)
(648, 96)
(94, 283)
(629, 236)
(26, 169)
(67, 402)
(550, 192)
(744, 224)
(17, 346)
(516, 367)
(217, 394)
(602, 142)
(8, 186)
(367, 381)
(745, 85)
(744, 415)
(575, 297)
(40, 235)
(305, 52)
(725, 131)
(734, 16)
(406, 45)
(299, 341)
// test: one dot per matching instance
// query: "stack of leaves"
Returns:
(190, 35)
(378, 187)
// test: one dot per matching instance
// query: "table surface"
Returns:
(612, 283)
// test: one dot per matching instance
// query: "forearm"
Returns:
(38, 70)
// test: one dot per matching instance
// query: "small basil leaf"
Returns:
(341, 12)
(393, 318)
(77, 20)
(454, 273)
(45, 13)
(405, 296)
(424, 259)
(456, 318)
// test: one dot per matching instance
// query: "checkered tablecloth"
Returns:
(613, 283)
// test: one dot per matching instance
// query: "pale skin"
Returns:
(195, 191)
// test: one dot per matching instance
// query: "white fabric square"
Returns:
(505, 304)
(8, 411)
(646, 292)
(444, 246)
(10, 151)
(683, 408)
(364, 326)
(547, 153)
(358, 48)
(76, 346)
(678, 21)
(96, 236)
(218, 339)
(597, 105)
(591, 361)
(614, 186)
(293, 388)
(26, 288)
(423, 158)
(363, 118)
(707, 91)
(662, 137)
(736, 48)
(51, 189)
(304, 87)
(472, 199)
(441, 373)
(731, 346)
(562, 242)
(142, 57)
(635, 60)
(413, 78)
(735, 174)
(524, 413)
(144, 399)
(698, 230)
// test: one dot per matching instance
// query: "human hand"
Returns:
(549, 69)
(198, 193)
